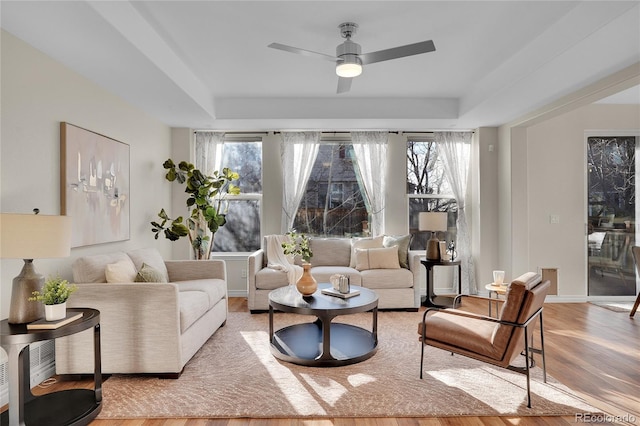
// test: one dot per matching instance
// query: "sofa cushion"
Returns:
(330, 251)
(387, 278)
(149, 274)
(377, 258)
(151, 257)
(270, 279)
(122, 271)
(213, 289)
(363, 243)
(322, 274)
(402, 242)
(91, 269)
(192, 307)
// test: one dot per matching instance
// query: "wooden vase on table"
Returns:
(307, 285)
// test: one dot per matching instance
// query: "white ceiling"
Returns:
(205, 64)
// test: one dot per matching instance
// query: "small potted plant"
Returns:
(54, 295)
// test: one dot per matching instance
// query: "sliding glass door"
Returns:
(611, 194)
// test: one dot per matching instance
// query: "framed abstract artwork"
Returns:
(94, 186)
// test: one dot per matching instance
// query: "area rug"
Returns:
(235, 375)
(615, 306)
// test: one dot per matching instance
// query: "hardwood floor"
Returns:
(592, 350)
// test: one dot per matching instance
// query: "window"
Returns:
(428, 189)
(241, 233)
(611, 167)
(333, 204)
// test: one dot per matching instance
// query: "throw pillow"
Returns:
(152, 257)
(377, 258)
(402, 242)
(149, 274)
(363, 243)
(123, 271)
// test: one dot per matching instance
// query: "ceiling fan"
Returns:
(349, 59)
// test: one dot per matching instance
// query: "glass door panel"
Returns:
(612, 215)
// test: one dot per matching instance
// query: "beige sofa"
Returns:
(397, 288)
(146, 327)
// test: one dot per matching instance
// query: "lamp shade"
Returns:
(432, 221)
(34, 236)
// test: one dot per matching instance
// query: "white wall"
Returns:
(37, 94)
(556, 178)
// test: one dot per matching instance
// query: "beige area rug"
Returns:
(235, 375)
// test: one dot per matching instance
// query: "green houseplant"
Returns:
(298, 245)
(206, 202)
(54, 295)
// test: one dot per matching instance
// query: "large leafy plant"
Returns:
(206, 202)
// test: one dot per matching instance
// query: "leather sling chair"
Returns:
(498, 341)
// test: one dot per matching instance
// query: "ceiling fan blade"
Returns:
(398, 52)
(302, 52)
(344, 84)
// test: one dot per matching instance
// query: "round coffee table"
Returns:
(322, 343)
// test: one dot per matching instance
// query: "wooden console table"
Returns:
(74, 406)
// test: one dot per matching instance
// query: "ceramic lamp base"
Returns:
(21, 310)
(433, 249)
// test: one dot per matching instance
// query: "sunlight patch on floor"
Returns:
(295, 392)
(360, 379)
(592, 340)
(477, 383)
(329, 390)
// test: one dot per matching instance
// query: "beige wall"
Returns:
(548, 177)
(37, 94)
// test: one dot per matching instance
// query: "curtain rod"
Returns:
(346, 132)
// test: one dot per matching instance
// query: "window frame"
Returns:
(414, 196)
(243, 196)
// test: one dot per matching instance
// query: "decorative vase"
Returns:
(307, 285)
(55, 312)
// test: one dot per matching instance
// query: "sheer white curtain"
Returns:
(370, 149)
(209, 151)
(455, 148)
(298, 154)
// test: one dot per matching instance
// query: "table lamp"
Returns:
(28, 237)
(434, 222)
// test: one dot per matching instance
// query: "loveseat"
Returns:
(397, 284)
(154, 314)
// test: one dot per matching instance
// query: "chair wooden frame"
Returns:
(528, 349)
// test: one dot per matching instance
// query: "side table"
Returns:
(498, 290)
(431, 299)
(67, 407)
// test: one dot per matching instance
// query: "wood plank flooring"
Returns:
(592, 350)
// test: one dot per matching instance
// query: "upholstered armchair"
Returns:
(498, 341)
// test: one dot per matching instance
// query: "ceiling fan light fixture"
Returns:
(349, 67)
(348, 70)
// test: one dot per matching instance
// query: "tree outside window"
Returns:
(242, 231)
(333, 204)
(428, 190)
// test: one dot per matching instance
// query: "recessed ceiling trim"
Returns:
(132, 25)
